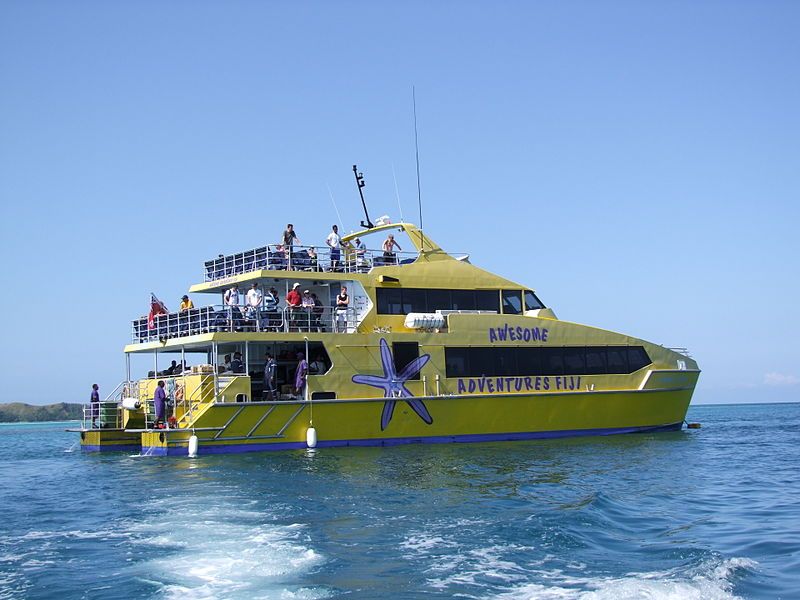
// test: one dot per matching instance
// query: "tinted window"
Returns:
(617, 360)
(552, 361)
(637, 358)
(531, 301)
(494, 361)
(481, 361)
(404, 353)
(439, 300)
(512, 302)
(595, 360)
(463, 299)
(529, 361)
(414, 301)
(487, 300)
(574, 360)
(456, 362)
(505, 361)
(389, 302)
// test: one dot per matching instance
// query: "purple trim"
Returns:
(442, 439)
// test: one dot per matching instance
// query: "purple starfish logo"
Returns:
(393, 385)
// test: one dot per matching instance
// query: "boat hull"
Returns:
(258, 426)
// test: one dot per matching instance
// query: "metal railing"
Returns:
(188, 404)
(107, 413)
(213, 319)
(278, 258)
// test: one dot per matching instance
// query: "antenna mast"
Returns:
(416, 152)
(360, 183)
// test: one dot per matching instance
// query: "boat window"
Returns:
(401, 301)
(390, 301)
(456, 362)
(512, 302)
(414, 301)
(505, 361)
(529, 360)
(637, 358)
(595, 360)
(493, 361)
(463, 299)
(531, 301)
(481, 360)
(323, 395)
(487, 300)
(552, 361)
(617, 360)
(574, 360)
(404, 353)
(438, 300)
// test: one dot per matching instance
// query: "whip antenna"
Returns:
(397, 193)
(360, 183)
(336, 208)
(416, 152)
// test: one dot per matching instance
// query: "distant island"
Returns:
(17, 412)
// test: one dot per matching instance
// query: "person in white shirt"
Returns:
(232, 296)
(335, 243)
(254, 301)
(231, 299)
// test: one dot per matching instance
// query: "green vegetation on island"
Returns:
(18, 412)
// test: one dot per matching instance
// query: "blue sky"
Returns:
(637, 163)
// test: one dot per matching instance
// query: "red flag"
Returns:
(156, 308)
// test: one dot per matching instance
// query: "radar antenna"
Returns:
(360, 183)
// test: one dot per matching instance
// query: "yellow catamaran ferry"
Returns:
(429, 349)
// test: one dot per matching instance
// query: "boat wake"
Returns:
(210, 549)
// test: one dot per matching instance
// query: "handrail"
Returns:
(276, 257)
(217, 318)
(188, 403)
(97, 416)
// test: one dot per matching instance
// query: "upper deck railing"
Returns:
(279, 258)
(213, 319)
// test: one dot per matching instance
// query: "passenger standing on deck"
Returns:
(270, 367)
(231, 299)
(335, 244)
(360, 252)
(160, 403)
(388, 250)
(94, 403)
(342, 303)
(289, 238)
(300, 375)
(254, 300)
(186, 304)
(271, 305)
(295, 305)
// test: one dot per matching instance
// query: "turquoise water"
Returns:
(709, 513)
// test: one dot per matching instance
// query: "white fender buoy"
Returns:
(131, 404)
(193, 444)
(311, 437)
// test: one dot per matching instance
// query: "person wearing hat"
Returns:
(186, 304)
(308, 309)
(295, 304)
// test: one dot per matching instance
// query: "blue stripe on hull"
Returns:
(445, 439)
(112, 448)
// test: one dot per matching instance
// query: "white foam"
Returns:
(207, 548)
(711, 580)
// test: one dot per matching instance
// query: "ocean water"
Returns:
(709, 513)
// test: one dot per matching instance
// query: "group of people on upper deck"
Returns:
(308, 259)
(305, 310)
